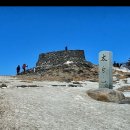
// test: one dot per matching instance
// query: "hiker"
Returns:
(18, 69)
(66, 48)
(24, 67)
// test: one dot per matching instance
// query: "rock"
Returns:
(55, 85)
(125, 81)
(124, 88)
(32, 86)
(93, 80)
(72, 85)
(127, 75)
(115, 78)
(3, 85)
(75, 85)
(106, 95)
(76, 82)
(58, 85)
(67, 80)
(125, 101)
(24, 86)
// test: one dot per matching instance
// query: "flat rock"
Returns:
(24, 86)
(3, 85)
(124, 88)
(125, 101)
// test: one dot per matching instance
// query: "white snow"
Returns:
(57, 108)
(123, 69)
(127, 94)
(122, 82)
(68, 62)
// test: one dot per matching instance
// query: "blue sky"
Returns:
(27, 31)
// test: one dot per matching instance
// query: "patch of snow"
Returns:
(128, 80)
(123, 69)
(68, 62)
(127, 94)
(119, 84)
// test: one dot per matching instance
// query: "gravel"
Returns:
(49, 107)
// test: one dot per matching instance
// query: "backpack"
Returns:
(24, 65)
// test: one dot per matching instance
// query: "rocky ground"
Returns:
(65, 72)
(71, 71)
(57, 98)
(30, 104)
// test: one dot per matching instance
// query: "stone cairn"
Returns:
(50, 59)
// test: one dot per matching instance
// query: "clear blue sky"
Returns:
(25, 32)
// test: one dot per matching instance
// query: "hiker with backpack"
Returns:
(24, 67)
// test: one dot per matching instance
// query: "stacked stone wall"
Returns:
(60, 57)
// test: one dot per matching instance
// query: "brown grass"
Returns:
(102, 97)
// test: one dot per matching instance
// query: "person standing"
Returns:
(66, 48)
(18, 69)
(24, 67)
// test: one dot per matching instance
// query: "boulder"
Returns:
(3, 85)
(106, 95)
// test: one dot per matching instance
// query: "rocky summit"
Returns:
(67, 72)
(72, 71)
(63, 66)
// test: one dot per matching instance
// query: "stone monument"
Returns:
(105, 69)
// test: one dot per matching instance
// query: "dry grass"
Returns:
(67, 76)
(99, 97)
(122, 77)
(102, 97)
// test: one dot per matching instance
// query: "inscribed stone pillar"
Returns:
(105, 69)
